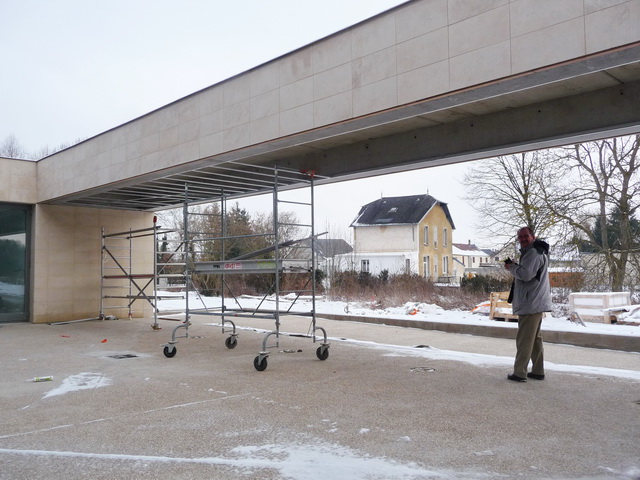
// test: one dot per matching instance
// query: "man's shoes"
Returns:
(515, 378)
(535, 376)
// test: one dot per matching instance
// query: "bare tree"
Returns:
(601, 180)
(507, 191)
(11, 148)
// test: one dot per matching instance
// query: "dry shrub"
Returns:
(396, 290)
(382, 291)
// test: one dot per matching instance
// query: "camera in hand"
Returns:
(508, 261)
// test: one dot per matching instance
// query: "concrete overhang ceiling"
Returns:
(586, 99)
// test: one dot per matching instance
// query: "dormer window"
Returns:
(393, 209)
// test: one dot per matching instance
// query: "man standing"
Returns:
(531, 298)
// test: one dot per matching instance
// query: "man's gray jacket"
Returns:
(532, 291)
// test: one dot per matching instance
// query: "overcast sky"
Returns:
(75, 68)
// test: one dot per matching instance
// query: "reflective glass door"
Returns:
(14, 262)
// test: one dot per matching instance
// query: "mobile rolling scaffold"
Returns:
(122, 284)
(214, 254)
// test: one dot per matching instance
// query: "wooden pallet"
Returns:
(500, 309)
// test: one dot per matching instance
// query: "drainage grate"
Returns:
(123, 355)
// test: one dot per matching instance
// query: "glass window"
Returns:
(435, 237)
(14, 262)
(444, 237)
(426, 235)
(364, 265)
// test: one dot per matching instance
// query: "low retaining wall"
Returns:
(582, 339)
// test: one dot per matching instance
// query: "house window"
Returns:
(407, 266)
(445, 265)
(425, 266)
(435, 266)
(364, 265)
(444, 237)
(426, 235)
(435, 237)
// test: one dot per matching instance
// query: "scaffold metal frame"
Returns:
(276, 264)
(117, 273)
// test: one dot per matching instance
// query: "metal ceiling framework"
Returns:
(591, 97)
(202, 185)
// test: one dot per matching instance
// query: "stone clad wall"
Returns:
(19, 183)
(66, 261)
(416, 51)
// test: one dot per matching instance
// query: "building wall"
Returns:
(66, 260)
(385, 238)
(395, 263)
(419, 50)
(435, 247)
(19, 183)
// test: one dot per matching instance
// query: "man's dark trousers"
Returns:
(529, 345)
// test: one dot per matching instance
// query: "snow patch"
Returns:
(81, 381)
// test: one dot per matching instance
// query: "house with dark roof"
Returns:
(332, 254)
(410, 234)
(469, 255)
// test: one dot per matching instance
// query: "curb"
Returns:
(591, 340)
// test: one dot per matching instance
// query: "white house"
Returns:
(410, 234)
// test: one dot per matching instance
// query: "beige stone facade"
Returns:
(419, 50)
(67, 256)
(19, 181)
(65, 252)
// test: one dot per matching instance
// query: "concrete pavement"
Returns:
(378, 407)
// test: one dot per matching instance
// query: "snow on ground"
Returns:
(424, 312)
(410, 311)
(324, 460)
(81, 381)
(317, 461)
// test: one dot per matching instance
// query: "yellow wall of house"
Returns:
(66, 259)
(437, 223)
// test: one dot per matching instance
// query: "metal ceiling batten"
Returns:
(208, 184)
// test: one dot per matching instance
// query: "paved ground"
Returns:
(376, 408)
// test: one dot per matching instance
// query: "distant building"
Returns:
(469, 255)
(470, 260)
(332, 254)
(409, 234)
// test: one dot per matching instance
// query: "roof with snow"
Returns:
(399, 210)
(468, 249)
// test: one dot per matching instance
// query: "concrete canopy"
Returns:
(587, 94)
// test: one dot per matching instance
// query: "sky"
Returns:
(74, 69)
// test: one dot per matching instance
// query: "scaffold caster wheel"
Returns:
(260, 364)
(170, 352)
(231, 342)
(322, 353)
